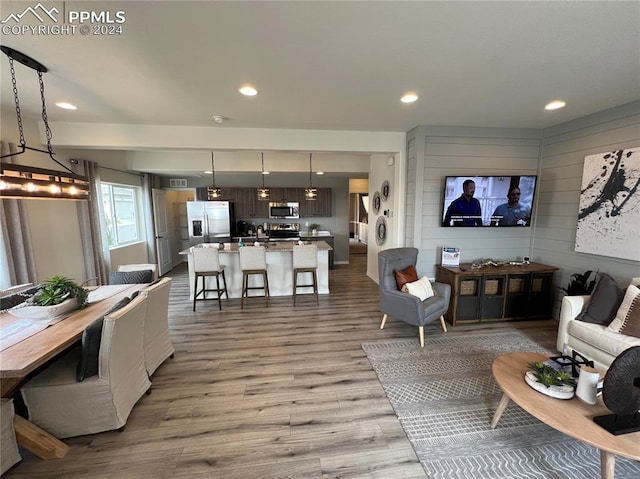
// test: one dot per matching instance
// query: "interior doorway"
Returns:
(358, 223)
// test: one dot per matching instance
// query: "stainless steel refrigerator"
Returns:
(210, 221)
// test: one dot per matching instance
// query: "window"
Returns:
(122, 218)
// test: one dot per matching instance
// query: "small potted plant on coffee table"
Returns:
(549, 381)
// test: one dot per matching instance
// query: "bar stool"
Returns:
(253, 261)
(206, 262)
(305, 260)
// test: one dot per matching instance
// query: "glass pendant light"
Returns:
(263, 193)
(214, 193)
(311, 193)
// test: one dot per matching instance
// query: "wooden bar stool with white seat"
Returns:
(305, 260)
(206, 262)
(253, 261)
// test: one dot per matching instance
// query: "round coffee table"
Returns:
(571, 417)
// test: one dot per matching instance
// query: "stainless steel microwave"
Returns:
(284, 210)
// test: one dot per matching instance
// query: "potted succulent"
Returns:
(313, 228)
(550, 381)
(58, 290)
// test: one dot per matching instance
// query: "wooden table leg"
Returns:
(38, 441)
(504, 400)
(607, 465)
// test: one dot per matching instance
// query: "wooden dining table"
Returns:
(20, 361)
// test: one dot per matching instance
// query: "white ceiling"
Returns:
(334, 65)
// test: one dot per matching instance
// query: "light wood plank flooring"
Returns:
(262, 393)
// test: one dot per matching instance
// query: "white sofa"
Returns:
(592, 341)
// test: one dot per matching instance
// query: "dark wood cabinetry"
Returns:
(247, 204)
(320, 207)
(498, 293)
(286, 195)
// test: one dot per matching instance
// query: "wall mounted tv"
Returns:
(488, 200)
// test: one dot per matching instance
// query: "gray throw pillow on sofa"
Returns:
(91, 337)
(604, 303)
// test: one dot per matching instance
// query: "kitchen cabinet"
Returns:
(498, 293)
(321, 207)
(247, 204)
(286, 195)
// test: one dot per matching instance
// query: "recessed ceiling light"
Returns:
(409, 97)
(218, 118)
(248, 90)
(555, 105)
(66, 106)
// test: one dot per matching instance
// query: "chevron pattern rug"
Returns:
(444, 396)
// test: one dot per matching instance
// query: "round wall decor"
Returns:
(376, 202)
(385, 190)
(381, 231)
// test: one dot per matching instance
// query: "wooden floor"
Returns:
(262, 393)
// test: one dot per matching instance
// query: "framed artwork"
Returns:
(376, 202)
(609, 211)
(384, 190)
(381, 231)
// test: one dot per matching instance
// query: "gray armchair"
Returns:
(404, 306)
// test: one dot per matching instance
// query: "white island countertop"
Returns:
(279, 268)
(279, 247)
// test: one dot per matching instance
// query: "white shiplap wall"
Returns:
(452, 151)
(564, 149)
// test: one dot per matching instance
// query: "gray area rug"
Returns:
(444, 396)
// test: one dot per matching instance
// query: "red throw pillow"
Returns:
(407, 275)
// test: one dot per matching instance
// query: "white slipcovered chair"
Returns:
(65, 407)
(157, 340)
(9, 454)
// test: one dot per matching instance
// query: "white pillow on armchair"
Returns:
(421, 288)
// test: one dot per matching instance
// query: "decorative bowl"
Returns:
(26, 311)
(558, 392)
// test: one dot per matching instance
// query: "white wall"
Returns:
(383, 167)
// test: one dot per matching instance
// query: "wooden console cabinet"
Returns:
(498, 293)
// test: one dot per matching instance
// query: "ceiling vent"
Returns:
(177, 183)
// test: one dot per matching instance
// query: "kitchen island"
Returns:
(279, 269)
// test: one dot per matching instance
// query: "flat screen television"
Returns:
(488, 200)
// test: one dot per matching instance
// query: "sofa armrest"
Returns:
(571, 307)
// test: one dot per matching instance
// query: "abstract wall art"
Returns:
(609, 211)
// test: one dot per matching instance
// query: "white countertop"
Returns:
(272, 247)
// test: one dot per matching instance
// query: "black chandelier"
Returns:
(21, 181)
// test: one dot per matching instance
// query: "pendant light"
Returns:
(311, 193)
(263, 193)
(214, 193)
(21, 181)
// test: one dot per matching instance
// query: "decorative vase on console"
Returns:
(313, 227)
